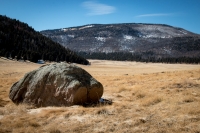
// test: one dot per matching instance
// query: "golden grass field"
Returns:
(147, 97)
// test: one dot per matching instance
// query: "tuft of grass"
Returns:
(122, 89)
(34, 124)
(119, 96)
(102, 111)
(54, 131)
(140, 95)
(12, 108)
(189, 99)
(46, 113)
(185, 83)
(194, 111)
(152, 101)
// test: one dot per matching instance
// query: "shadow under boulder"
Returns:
(59, 84)
(100, 102)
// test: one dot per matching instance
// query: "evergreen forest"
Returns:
(20, 41)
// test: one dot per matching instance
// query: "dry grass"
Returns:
(146, 98)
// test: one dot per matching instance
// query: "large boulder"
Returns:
(59, 84)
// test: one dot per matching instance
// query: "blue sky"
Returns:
(54, 14)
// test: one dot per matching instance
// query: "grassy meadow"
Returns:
(147, 97)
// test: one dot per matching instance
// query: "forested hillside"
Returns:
(18, 40)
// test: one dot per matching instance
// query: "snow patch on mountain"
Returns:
(88, 26)
(102, 39)
(63, 37)
(72, 36)
(68, 29)
(156, 36)
(150, 36)
(167, 50)
(125, 48)
(107, 49)
(64, 30)
(128, 37)
(184, 32)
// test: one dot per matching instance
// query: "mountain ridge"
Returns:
(161, 40)
(119, 24)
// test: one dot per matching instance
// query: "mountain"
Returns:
(18, 40)
(135, 41)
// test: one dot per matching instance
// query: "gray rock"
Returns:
(59, 84)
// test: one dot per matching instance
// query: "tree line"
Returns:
(139, 57)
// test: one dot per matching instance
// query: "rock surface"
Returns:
(59, 84)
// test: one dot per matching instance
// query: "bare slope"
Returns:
(147, 98)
